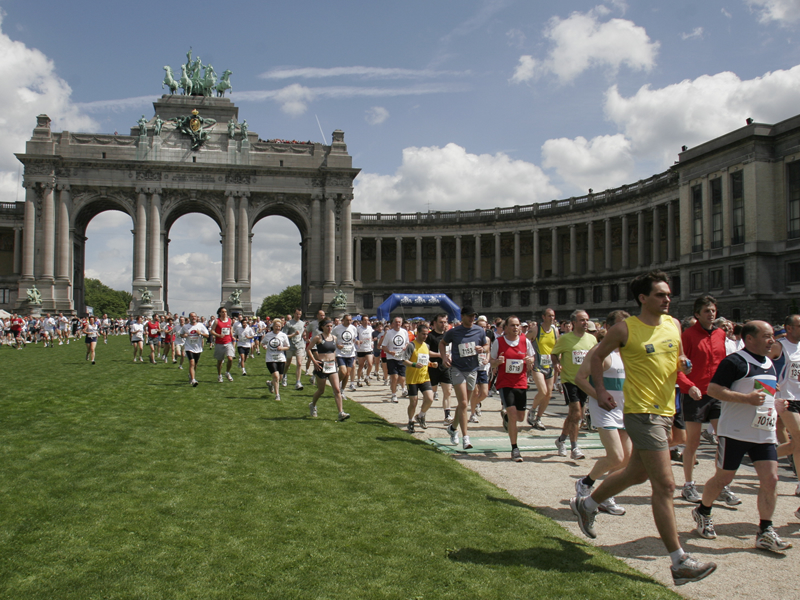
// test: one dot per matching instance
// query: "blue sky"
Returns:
(444, 104)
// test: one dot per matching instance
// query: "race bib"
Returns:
(794, 370)
(328, 366)
(397, 356)
(422, 360)
(226, 331)
(545, 360)
(578, 356)
(765, 419)
(514, 366)
(466, 349)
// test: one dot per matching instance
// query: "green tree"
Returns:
(105, 300)
(279, 305)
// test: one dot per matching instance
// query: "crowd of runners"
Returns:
(654, 387)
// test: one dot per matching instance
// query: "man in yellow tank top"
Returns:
(650, 346)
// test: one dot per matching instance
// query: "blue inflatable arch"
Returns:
(415, 301)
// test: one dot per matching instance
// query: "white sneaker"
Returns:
(298, 386)
(473, 418)
(436, 397)
(611, 507)
(394, 398)
(277, 397)
(581, 489)
(284, 382)
(453, 435)
(219, 378)
(312, 409)
(352, 387)
(228, 375)
(576, 454)
(466, 442)
(405, 393)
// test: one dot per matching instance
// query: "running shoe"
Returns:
(516, 455)
(343, 416)
(312, 409)
(421, 421)
(405, 393)
(92, 362)
(435, 396)
(352, 387)
(585, 518)
(285, 382)
(690, 570)
(277, 397)
(690, 494)
(505, 420)
(219, 378)
(410, 427)
(394, 398)
(366, 381)
(360, 383)
(453, 433)
(576, 454)
(466, 442)
(729, 497)
(581, 489)
(194, 382)
(448, 420)
(561, 447)
(244, 373)
(704, 525)
(709, 437)
(228, 375)
(180, 367)
(385, 382)
(531, 418)
(537, 424)
(473, 418)
(269, 386)
(165, 360)
(611, 507)
(478, 410)
(769, 540)
(313, 380)
(298, 386)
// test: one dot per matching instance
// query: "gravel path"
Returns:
(546, 482)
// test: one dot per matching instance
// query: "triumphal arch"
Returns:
(192, 155)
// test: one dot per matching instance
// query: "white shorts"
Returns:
(606, 419)
(223, 351)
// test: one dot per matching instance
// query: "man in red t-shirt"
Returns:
(223, 343)
(152, 327)
(16, 328)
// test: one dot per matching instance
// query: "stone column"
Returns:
(626, 246)
(497, 264)
(477, 256)
(590, 247)
(358, 258)
(48, 232)
(573, 250)
(17, 251)
(398, 263)
(640, 245)
(656, 258)
(315, 255)
(419, 258)
(671, 231)
(347, 242)
(140, 238)
(154, 227)
(537, 261)
(438, 258)
(517, 271)
(229, 243)
(243, 251)
(63, 271)
(458, 257)
(330, 240)
(29, 232)
(607, 243)
(378, 259)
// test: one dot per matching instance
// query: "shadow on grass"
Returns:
(294, 418)
(572, 557)
(407, 440)
(376, 422)
(510, 502)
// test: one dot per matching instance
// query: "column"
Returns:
(656, 258)
(358, 258)
(590, 247)
(48, 232)
(477, 256)
(330, 240)
(573, 250)
(378, 258)
(458, 257)
(29, 232)
(626, 246)
(62, 265)
(347, 242)
(607, 242)
(154, 227)
(438, 258)
(536, 256)
(315, 261)
(243, 250)
(497, 265)
(398, 262)
(516, 256)
(670, 231)
(17, 270)
(229, 243)
(640, 245)
(419, 258)
(140, 238)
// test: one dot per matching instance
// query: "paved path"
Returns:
(546, 482)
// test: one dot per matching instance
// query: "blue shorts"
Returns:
(483, 376)
(396, 367)
(345, 361)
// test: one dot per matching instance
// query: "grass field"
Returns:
(119, 480)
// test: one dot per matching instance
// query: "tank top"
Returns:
(746, 422)
(513, 372)
(421, 356)
(325, 347)
(651, 366)
(613, 381)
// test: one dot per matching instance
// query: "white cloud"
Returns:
(294, 99)
(515, 38)
(697, 32)
(582, 41)
(601, 163)
(357, 71)
(450, 178)
(376, 115)
(782, 11)
(31, 87)
(725, 13)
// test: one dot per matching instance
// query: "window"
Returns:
(715, 279)
(544, 297)
(737, 276)
(486, 299)
(675, 286)
(525, 298)
(597, 294)
(736, 315)
(697, 218)
(716, 212)
(505, 299)
(614, 292)
(5, 296)
(737, 208)
(793, 275)
(367, 301)
(580, 296)
(793, 172)
(466, 299)
(697, 281)
(562, 296)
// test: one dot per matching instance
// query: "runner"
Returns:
(17, 324)
(193, 333)
(105, 328)
(416, 358)
(180, 342)
(364, 352)
(544, 336)
(153, 329)
(49, 330)
(244, 341)
(346, 335)
(294, 330)
(323, 356)
(90, 329)
(276, 343)
(168, 343)
(746, 382)
(481, 391)
(395, 340)
(568, 355)
(789, 346)
(312, 329)
(136, 332)
(512, 353)
(650, 347)
(223, 344)
(440, 376)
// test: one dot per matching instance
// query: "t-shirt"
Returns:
(346, 337)
(224, 327)
(298, 327)
(394, 342)
(465, 342)
(364, 335)
(572, 350)
(433, 341)
(244, 336)
(194, 337)
(273, 341)
(137, 330)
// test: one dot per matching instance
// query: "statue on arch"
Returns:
(159, 123)
(236, 297)
(339, 299)
(232, 129)
(147, 296)
(142, 126)
(169, 81)
(224, 83)
(34, 296)
(243, 128)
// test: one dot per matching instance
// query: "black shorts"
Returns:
(363, 354)
(195, 356)
(572, 393)
(243, 351)
(396, 367)
(516, 397)
(276, 367)
(439, 376)
(414, 389)
(89, 339)
(793, 406)
(730, 452)
(705, 410)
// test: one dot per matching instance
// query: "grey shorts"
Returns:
(223, 351)
(648, 432)
(299, 352)
(459, 377)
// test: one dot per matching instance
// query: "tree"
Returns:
(279, 305)
(105, 300)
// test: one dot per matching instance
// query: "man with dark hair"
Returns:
(650, 347)
(438, 373)
(786, 353)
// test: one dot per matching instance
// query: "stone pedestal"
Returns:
(142, 149)
(244, 153)
(155, 152)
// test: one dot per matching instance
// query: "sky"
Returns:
(445, 104)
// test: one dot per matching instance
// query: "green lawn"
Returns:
(120, 480)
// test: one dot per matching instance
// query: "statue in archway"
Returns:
(34, 296)
(236, 297)
(339, 299)
(147, 297)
